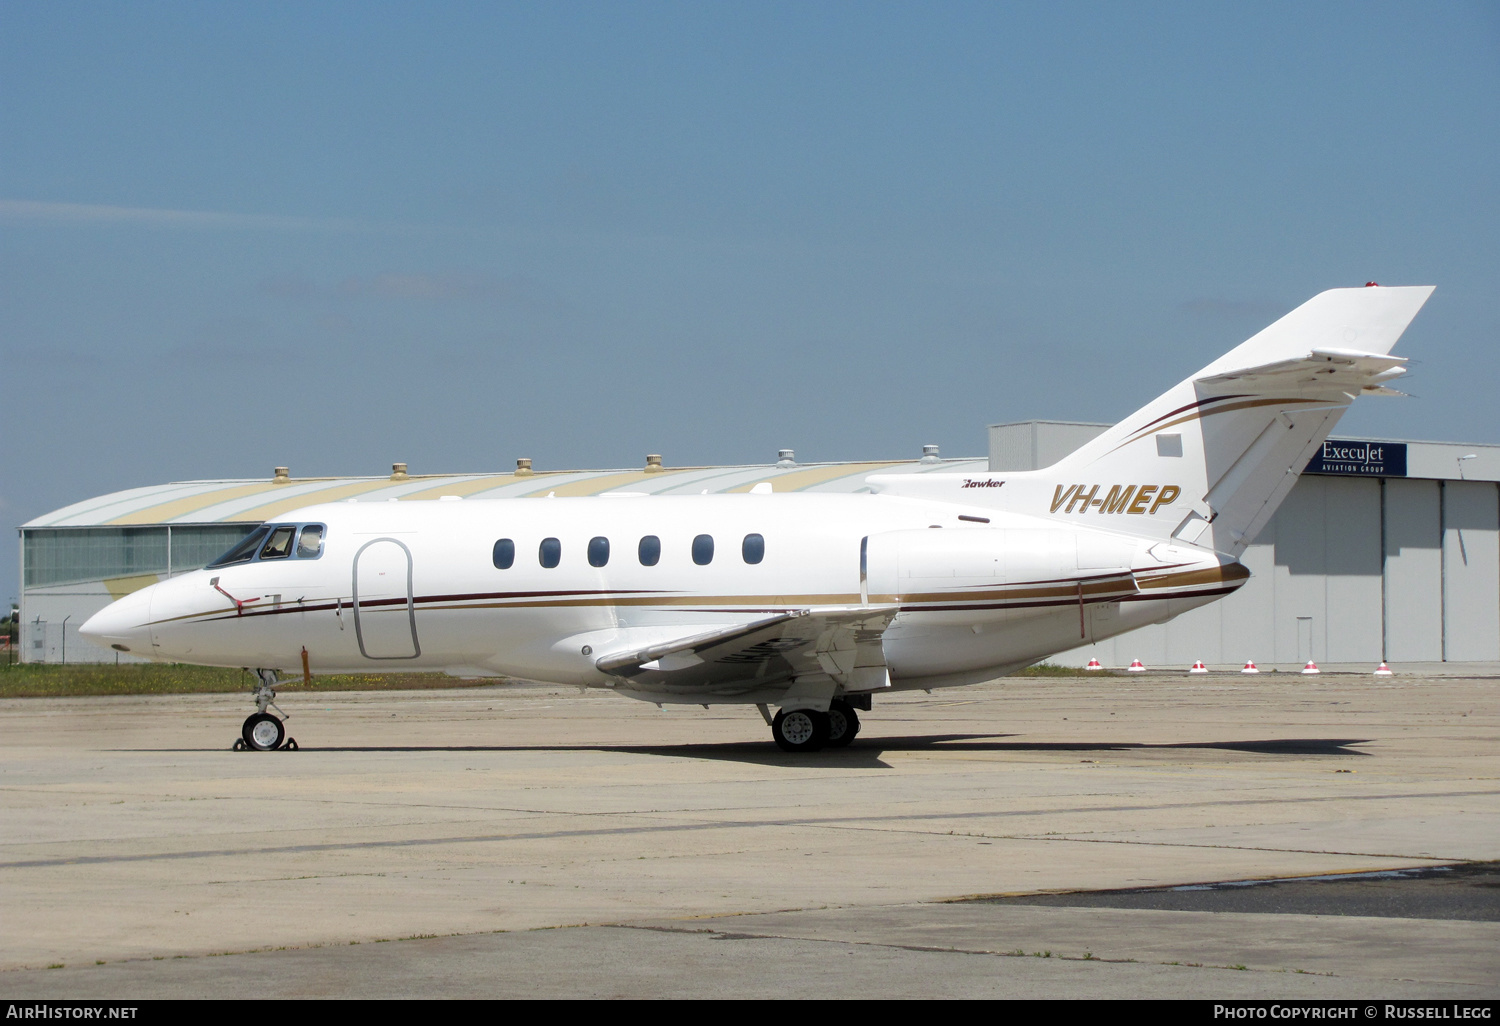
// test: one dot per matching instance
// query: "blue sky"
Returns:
(334, 236)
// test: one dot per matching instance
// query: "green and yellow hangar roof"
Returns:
(253, 502)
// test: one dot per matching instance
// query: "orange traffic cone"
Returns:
(1250, 667)
(1136, 666)
(1094, 664)
(1311, 667)
(1383, 670)
(1198, 667)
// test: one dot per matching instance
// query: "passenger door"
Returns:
(385, 616)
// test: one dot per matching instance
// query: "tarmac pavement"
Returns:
(432, 843)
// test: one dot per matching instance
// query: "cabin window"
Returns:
(753, 548)
(550, 552)
(703, 549)
(598, 551)
(650, 550)
(505, 554)
(279, 545)
(310, 544)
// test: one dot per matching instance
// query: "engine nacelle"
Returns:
(915, 565)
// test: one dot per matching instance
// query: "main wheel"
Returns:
(801, 730)
(843, 724)
(263, 732)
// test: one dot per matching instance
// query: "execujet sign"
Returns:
(1365, 459)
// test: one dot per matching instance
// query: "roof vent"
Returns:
(786, 458)
(653, 464)
(398, 472)
(283, 475)
(930, 455)
(523, 466)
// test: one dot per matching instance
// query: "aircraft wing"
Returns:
(1322, 370)
(840, 642)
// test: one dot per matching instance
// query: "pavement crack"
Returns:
(939, 949)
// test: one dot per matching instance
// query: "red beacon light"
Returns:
(1372, 284)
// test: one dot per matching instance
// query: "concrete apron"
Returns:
(132, 833)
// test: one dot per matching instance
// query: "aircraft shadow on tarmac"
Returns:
(867, 752)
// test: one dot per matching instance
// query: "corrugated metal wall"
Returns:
(1032, 444)
(1471, 587)
(1349, 570)
(1413, 571)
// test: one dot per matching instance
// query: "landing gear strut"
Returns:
(263, 732)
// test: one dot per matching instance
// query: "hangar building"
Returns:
(1383, 550)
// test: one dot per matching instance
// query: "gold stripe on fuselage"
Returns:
(1006, 596)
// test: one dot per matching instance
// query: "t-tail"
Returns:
(1208, 462)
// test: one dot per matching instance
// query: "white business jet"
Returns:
(813, 604)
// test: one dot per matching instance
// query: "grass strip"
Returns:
(34, 680)
(37, 680)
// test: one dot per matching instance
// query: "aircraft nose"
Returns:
(123, 625)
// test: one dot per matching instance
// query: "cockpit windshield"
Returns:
(274, 541)
(245, 550)
(279, 545)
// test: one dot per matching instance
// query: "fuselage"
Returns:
(541, 588)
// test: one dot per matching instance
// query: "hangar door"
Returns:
(1471, 570)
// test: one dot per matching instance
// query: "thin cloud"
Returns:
(516, 289)
(513, 288)
(47, 356)
(85, 215)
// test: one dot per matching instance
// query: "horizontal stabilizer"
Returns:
(1322, 370)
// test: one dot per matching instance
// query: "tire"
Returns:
(263, 732)
(843, 724)
(801, 730)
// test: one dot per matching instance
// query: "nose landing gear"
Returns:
(263, 732)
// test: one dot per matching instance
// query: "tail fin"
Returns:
(1208, 462)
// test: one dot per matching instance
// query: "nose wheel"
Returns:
(263, 732)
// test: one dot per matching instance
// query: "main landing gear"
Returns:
(843, 723)
(808, 730)
(263, 732)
